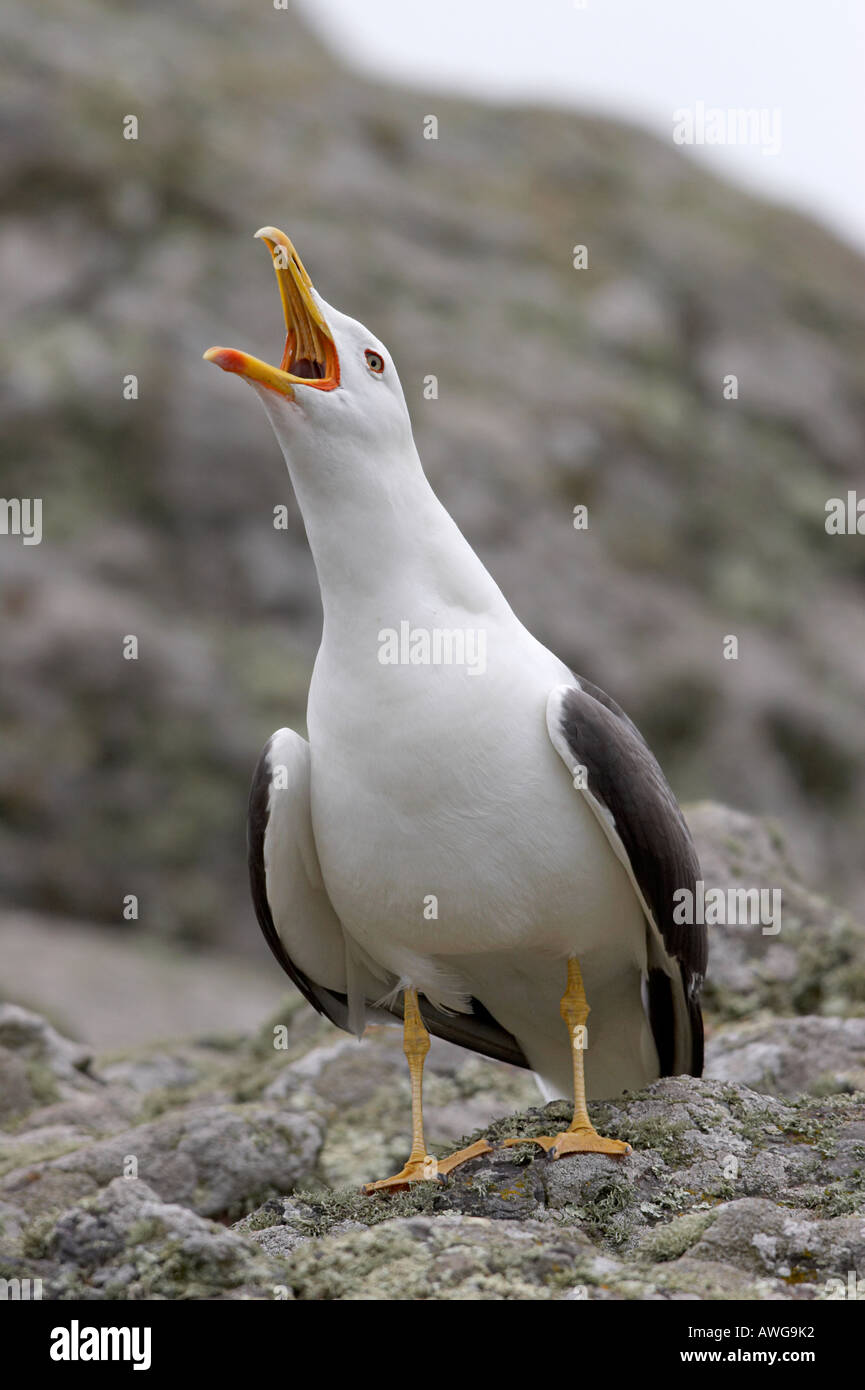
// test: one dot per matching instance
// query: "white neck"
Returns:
(383, 543)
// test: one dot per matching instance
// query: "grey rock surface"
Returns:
(37, 1064)
(811, 961)
(130, 1244)
(791, 1055)
(210, 1158)
(727, 1193)
(230, 1166)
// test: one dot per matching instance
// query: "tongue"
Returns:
(305, 368)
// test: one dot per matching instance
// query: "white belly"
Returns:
(459, 856)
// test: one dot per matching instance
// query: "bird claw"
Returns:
(576, 1141)
(587, 1141)
(427, 1169)
(417, 1170)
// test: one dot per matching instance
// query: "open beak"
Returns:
(310, 357)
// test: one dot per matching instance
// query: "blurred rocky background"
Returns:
(557, 387)
(228, 1164)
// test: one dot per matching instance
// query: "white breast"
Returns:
(447, 826)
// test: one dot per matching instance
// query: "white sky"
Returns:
(642, 59)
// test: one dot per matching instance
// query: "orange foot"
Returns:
(576, 1141)
(427, 1169)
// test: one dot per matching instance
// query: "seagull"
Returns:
(474, 840)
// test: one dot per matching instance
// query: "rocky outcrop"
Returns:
(810, 961)
(793, 1054)
(230, 1165)
(727, 1194)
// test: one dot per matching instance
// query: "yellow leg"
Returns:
(421, 1166)
(580, 1137)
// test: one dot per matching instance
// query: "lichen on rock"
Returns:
(229, 1167)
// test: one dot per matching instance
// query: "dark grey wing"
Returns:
(478, 1031)
(640, 816)
(302, 928)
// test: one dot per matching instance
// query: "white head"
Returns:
(335, 401)
(337, 408)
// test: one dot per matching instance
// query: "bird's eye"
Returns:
(374, 361)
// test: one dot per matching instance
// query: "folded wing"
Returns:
(640, 816)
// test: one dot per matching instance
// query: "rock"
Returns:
(18, 1092)
(784, 1243)
(33, 1040)
(728, 1193)
(666, 1222)
(449, 1257)
(159, 1070)
(212, 1159)
(814, 963)
(128, 1243)
(37, 1065)
(746, 1184)
(785, 1056)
